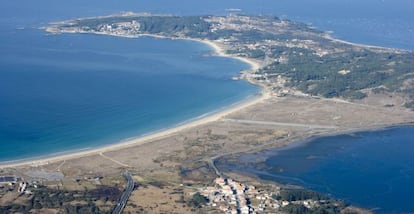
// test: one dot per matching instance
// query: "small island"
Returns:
(312, 84)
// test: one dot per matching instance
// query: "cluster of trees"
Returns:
(306, 71)
(61, 199)
(320, 75)
(329, 206)
(191, 26)
(198, 200)
(89, 208)
(324, 209)
(299, 195)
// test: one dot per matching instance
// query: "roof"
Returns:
(8, 179)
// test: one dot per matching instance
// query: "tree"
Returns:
(198, 200)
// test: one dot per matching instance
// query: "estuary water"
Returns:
(372, 169)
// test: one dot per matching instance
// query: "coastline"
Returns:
(135, 141)
(304, 139)
(183, 154)
(218, 50)
(360, 45)
(300, 140)
(216, 116)
(162, 133)
(243, 165)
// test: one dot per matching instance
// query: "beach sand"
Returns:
(259, 103)
(163, 133)
(183, 155)
(264, 107)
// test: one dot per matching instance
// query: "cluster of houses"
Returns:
(12, 182)
(121, 28)
(231, 196)
(8, 180)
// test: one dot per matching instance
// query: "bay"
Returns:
(48, 66)
(72, 92)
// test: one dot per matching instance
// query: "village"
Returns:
(12, 186)
(234, 197)
(165, 177)
(223, 194)
(261, 49)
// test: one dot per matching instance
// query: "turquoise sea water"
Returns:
(69, 92)
(373, 169)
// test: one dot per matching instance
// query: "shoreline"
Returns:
(361, 45)
(135, 141)
(219, 51)
(191, 123)
(299, 140)
(233, 140)
(229, 164)
(269, 150)
(161, 133)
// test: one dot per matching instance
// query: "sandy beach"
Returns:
(146, 138)
(179, 159)
(230, 110)
(263, 95)
(330, 37)
(242, 108)
(173, 167)
(220, 52)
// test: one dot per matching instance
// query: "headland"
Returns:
(312, 85)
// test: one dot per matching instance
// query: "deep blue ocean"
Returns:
(372, 169)
(69, 92)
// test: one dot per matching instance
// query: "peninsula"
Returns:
(312, 84)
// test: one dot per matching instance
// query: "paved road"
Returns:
(258, 122)
(210, 162)
(124, 198)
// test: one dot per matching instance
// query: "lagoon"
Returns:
(72, 92)
(372, 169)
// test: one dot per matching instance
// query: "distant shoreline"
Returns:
(145, 138)
(328, 36)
